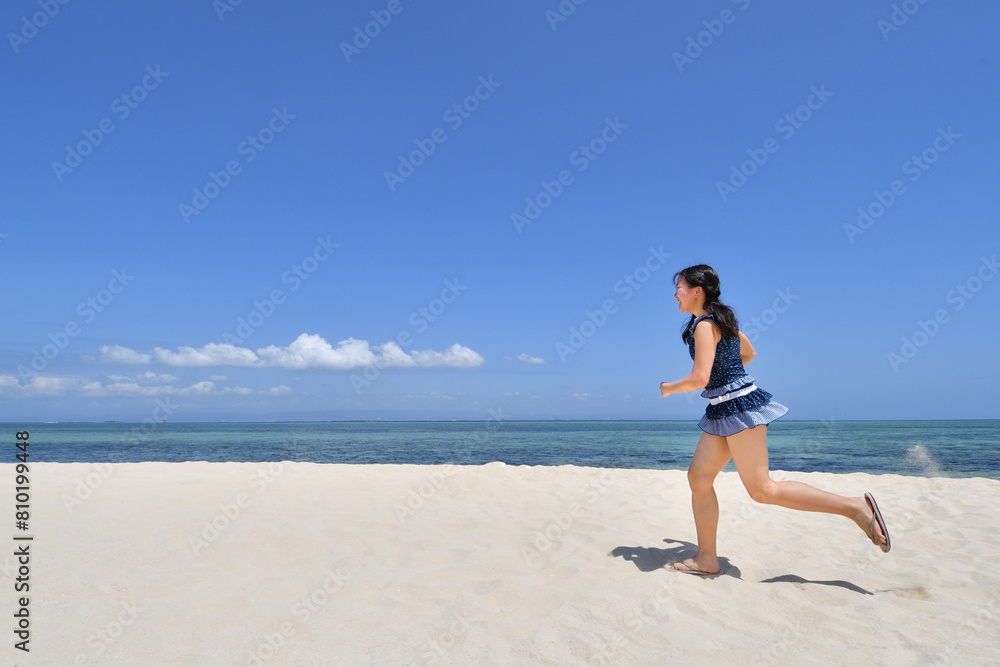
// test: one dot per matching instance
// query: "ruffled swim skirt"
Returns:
(739, 413)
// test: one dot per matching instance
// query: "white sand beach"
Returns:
(320, 564)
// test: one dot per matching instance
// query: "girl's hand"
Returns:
(665, 389)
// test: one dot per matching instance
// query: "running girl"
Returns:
(735, 425)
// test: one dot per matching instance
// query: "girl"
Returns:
(735, 424)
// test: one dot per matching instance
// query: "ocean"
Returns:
(966, 448)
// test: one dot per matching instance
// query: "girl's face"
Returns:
(687, 296)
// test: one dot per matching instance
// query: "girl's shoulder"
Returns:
(706, 321)
(693, 326)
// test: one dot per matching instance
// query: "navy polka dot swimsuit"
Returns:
(731, 416)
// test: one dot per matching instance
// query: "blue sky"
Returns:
(260, 212)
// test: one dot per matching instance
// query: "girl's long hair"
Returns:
(705, 277)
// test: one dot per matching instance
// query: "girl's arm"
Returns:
(747, 353)
(706, 337)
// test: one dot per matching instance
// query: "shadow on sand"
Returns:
(649, 559)
(795, 579)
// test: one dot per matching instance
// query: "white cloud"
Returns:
(312, 351)
(135, 389)
(213, 354)
(529, 359)
(308, 351)
(120, 386)
(92, 389)
(455, 356)
(123, 355)
(150, 376)
(428, 396)
(129, 389)
(393, 355)
(51, 386)
(43, 385)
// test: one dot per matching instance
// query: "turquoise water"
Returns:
(964, 448)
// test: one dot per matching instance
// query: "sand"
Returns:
(319, 564)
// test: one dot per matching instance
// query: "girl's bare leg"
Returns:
(749, 451)
(710, 456)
